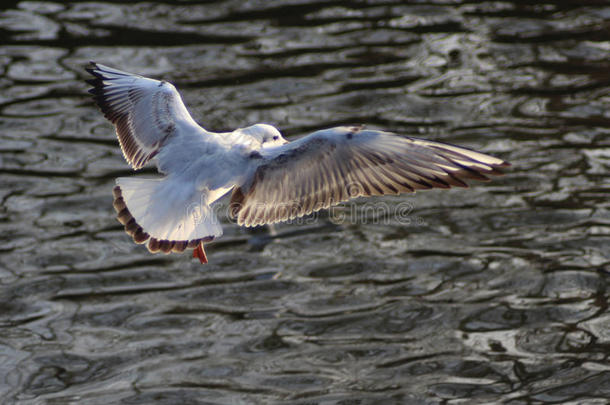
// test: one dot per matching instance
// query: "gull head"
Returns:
(266, 134)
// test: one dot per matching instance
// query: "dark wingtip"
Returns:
(96, 81)
(495, 172)
(91, 67)
(495, 169)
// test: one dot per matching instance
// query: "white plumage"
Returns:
(272, 180)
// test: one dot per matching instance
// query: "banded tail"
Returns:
(165, 219)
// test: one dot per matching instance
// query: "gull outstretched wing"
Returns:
(146, 112)
(334, 165)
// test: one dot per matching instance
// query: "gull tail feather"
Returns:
(163, 215)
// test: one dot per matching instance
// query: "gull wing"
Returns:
(335, 165)
(147, 113)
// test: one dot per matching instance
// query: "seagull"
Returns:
(271, 179)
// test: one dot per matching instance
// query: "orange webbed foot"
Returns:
(199, 253)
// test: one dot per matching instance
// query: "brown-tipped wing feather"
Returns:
(328, 167)
(145, 112)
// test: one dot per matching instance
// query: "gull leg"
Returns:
(199, 253)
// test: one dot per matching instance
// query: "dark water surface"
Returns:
(497, 294)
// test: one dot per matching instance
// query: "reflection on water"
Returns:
(493, 294)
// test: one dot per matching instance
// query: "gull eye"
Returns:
(275, 138)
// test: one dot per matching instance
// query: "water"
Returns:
(497, 294)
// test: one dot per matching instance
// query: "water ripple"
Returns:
(488, 295)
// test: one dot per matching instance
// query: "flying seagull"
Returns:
(271, 179)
